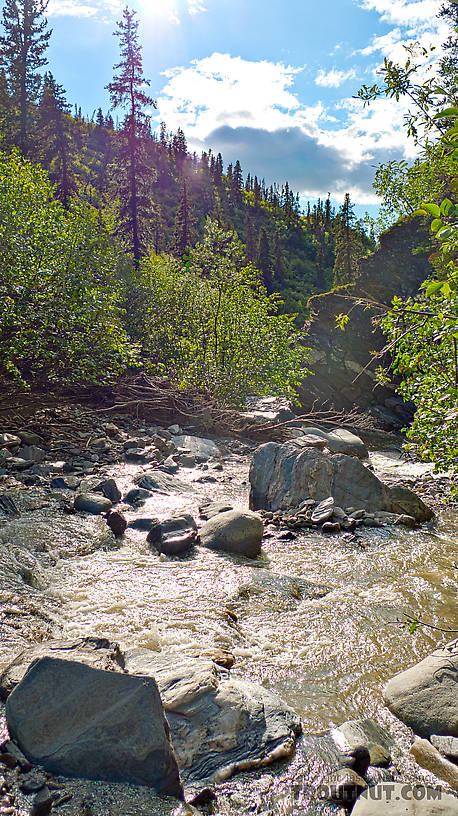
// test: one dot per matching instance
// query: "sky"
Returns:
(269, 82)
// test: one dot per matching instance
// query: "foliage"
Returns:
(425, 331)
(349, 247)
(59, 318)
(22, 49)
(213, 324)
(127, 91)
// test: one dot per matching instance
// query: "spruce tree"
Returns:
(263, 260)
(236, 186)
(182, 235)
(127, 91)
(58, 139)
(250, 253)
(22, 54)
(6, 113)
(349, 247)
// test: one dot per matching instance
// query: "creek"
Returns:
(327, 657)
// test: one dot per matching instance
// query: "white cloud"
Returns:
(334, 78)
(70, 8)
(404, 12)
(164, 9)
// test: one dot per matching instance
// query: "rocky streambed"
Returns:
(316, 618)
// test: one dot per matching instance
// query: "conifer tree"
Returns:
(236, 183)
(263, 260)
(182, 235)
(22, 54)
(279, 268)
(6, 113)
(127, 91)
(250, 253)
(348, 245)
(58, 140)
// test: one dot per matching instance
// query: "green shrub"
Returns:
(211, 323)
(59, 313)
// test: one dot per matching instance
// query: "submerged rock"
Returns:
(425, 697)
(235, 531)
(79, 721)
(219, 724)
(282, 475)
(159, 482)
(282, 592)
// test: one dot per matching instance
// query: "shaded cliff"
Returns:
(339, 358)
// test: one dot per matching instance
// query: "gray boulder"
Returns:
(283, 475)
(110, 490)
(368, 733)
(99, 653)
(425, 697)
(78, 721)
(340, 440)
(159, 482)
(201, 449)
(235, 531)
(174, 536)
(399, 799)
(267, 590)
(92, 503)
(219, 725)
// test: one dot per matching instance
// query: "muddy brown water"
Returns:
(328, 658)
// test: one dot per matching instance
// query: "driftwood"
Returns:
(159, 401)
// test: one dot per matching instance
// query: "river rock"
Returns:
(117, 522)
(137, 496)
(201, 449)
(32, 454)
(344, 786)
(399, 799)
(428, 757)
(339, 441)
(99, 653)
(10, 441)
(447, 746)
(219, 725)
(425, 697)
(175, 536)
(92, 503)
(159, 482)
(30, 438)
(210, 508)
(279, 592)
(367, 733)
(281, 475)
(235, 531)
(93, 724)
(110, 490)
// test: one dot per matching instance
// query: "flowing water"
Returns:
(329, 658)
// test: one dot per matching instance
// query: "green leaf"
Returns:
(433, 287)
(445, 206)
(436, 224)
(447, 113)
(432, 209)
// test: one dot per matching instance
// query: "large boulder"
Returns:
(219, 725)
(99, 653)
(399, 799)
(201, 449)
(340, 440)
(283, 475)
(78, 721)
(235, 531)
(425, 697)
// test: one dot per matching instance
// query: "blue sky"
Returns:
(270, 82)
